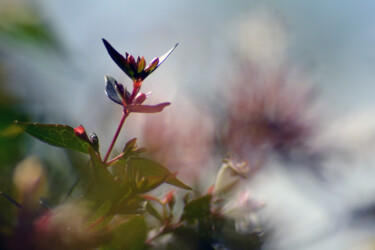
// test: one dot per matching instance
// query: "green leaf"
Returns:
(104, 187)
(130, 146)
(133, 206)
(197, 209)
(132, 234)
(57, 135)
(100, 216)
(153, 172)
(152, 210)
(102, 176)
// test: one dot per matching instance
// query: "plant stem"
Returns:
(11, 200)
(123, 118)
(115, 159)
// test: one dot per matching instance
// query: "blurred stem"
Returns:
(123, 118)
(11, 200)
(115, 159)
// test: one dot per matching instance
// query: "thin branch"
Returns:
(115, 159)
(123, 118)
(11, 200)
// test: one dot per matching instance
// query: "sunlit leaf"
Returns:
(152, 170)
(158, 61)
(165, 56)
(56, 135)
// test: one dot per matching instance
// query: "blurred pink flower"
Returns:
(180, 138)
(266, 112)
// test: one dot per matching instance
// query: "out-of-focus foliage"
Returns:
(20, 26)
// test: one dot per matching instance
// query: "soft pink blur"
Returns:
(267, 112)
(181, 138)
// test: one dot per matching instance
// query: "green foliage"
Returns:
(21, 23)
(151, 174)
(56, 135)
(131, 234)
(197, 209)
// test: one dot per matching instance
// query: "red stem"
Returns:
(123, 118)
(115, 159)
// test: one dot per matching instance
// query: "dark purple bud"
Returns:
(94, 141)
(152, 66)
(141, 65)
(132, 63)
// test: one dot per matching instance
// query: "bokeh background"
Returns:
(286, 85)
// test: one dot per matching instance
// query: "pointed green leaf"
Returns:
(56, 135)
(150, 169)
(102, 176)
(152, 210)
(104, 188)
(130, 146)
(197, 209)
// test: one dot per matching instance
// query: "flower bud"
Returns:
(81, 133)
(140, 98)
(94, 140)
(170, 199)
